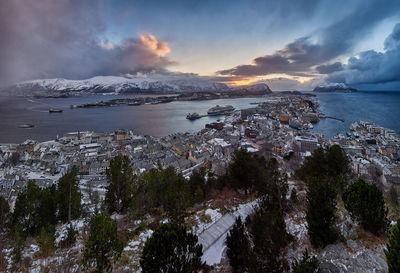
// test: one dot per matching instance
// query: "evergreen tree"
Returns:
(321, 207)
(4, 212)
(46, 240)
(243, 171)
(34, 208)
(315, 165)
(164, 189)
(103, 246)
(238, 247)
(198, 186)
(19, 244)
(307, 264)
(69, 197)
(267, 229)
(332, 162)
(120, 179)
(366, 204)
(171, 249)
(393, 250)
(338, 163)
(272, 184)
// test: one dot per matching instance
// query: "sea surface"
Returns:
(383, 108)
(379, 107)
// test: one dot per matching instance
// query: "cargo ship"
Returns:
(193, 116)
(220, 110)
(53, 110)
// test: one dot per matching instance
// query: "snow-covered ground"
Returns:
(213, 235)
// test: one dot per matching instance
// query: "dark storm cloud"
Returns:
(329, 68)
(300, 57)
(47, 38)
(372, 67)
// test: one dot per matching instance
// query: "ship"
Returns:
(26, 126)
(53, 110)
(193, 116)
(220, 110)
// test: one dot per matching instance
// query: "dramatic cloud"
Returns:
(47, 38)
(329, 68)
(301, 56)
(372, 67)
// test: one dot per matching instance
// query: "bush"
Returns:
(307, 264)
(46, 241)
(393, 250)
(366, 204)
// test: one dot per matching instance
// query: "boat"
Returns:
(54, 110)
(26, 126)
(192, 116)
(220, 110)
(136, 103)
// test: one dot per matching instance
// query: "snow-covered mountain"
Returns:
(119, 85)
(334, 87)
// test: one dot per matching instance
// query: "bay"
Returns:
(382, 108)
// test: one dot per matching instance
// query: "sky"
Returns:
(286, 44)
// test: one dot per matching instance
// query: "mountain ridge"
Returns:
(123, 85)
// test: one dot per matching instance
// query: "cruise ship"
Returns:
(220, 110)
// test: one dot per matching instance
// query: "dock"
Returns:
(340, 119)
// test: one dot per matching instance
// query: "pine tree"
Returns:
(321, 207)
(69, 197)
(366, 204)
(34, 208)
(120, 179)
(103, 246)
(271, 183)
(4, 212)
(267, 230)
(393, 250)
(238, 247)
(243, 171)
(338, 163)
(171, 249)
(46, 240)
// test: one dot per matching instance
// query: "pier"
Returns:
(340, 119)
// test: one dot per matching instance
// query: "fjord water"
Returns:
(155, 120)
(380, 107)
(383, 108)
